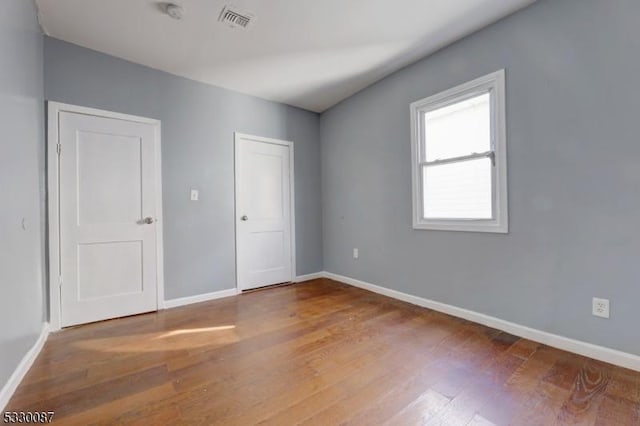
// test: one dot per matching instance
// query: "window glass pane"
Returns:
(459, 129)
(460, 190)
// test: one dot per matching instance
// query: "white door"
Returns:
(264, 217)
(107, 190)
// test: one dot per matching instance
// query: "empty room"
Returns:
(365, 212)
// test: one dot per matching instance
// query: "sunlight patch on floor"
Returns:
(173, 340)
(196, 330)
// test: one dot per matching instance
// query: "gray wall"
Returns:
(574, 176)
(198, 122)
(21, 182)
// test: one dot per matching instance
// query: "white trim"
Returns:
(182, 301)
(76, 109)
(290, 145)
(173, 303)
(309, 277)
(292, 207)
(54, 110)
(494, 83)
(53, 183)
(601, 353)
(159, 219)
(22, 369)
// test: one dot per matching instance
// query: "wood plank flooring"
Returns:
(317, 353)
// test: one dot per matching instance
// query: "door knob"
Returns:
(148, 220)
(244, 218)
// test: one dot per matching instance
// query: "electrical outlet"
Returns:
(356, 253)
(600, 307)
(195, 195)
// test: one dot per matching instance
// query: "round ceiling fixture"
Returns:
(174, 10)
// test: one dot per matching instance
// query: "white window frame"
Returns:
(494, 84)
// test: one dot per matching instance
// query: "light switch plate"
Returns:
(195, 195)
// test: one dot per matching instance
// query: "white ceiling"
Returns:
(307, 53)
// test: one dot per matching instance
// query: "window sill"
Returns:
(463, 226)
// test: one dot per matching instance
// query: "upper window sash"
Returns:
(443, 101)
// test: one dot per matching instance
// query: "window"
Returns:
(459, 158)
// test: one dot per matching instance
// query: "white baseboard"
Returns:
(309, 277)
(27, 361)
(174, 303)
(601, 353)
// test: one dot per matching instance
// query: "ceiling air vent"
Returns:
(235, 18)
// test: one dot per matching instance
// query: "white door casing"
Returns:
(106, 241)
(265, 248)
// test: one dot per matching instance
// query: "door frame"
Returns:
(53, 203)
(292, 203)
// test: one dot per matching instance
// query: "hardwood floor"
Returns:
(320, 353)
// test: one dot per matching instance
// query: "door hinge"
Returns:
(60, 281)
(58, 148)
